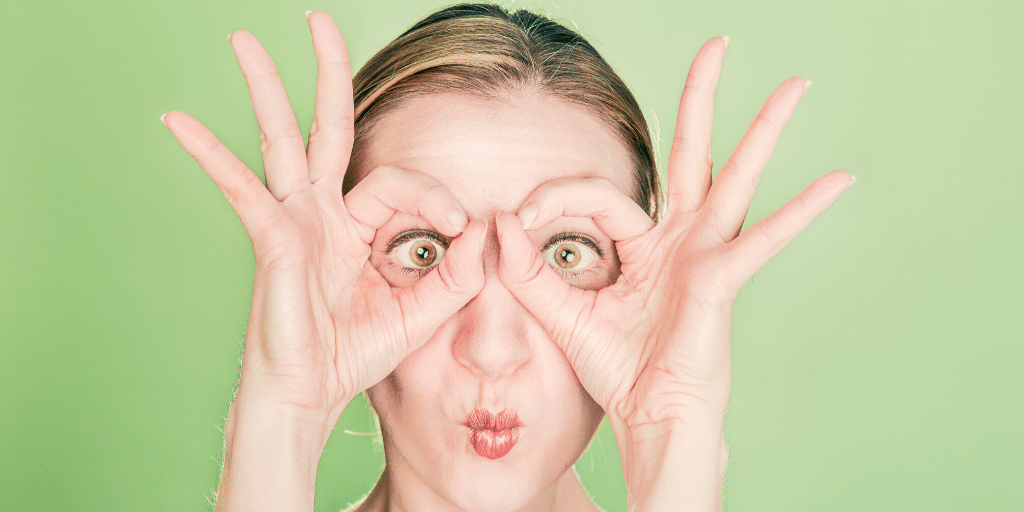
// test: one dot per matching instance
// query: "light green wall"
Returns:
(876, 359)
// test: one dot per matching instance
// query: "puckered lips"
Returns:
(493, 435)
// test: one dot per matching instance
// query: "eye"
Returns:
(418, 251)
(572, 252)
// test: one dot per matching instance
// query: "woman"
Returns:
(493, 275)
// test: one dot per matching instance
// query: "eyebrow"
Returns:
(413, 234)
(573, 236)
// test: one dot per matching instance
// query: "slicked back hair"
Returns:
(486, 51)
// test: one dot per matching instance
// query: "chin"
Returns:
(492, 495)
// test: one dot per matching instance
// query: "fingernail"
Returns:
(527, 215)
(457, 218)
(162, 116)
(853, 180)
(807, 85)
(308, 13)
(726, 38)
(483, 237)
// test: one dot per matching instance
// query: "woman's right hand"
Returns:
(324, 324)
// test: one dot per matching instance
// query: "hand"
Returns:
(653, 348)
(324, 324)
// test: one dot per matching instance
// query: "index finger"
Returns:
(388, 189)
(614, 212)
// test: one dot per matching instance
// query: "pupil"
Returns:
(423, 254)
(568, 256)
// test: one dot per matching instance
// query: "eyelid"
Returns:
(413, 234)
(572, 236)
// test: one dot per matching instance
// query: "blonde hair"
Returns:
(486, 51)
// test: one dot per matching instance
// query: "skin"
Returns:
(651, 349)
(492, 353)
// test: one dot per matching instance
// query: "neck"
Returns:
(389, 495)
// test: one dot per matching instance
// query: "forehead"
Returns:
(492, 153)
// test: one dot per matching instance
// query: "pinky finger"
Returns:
(243, 189)
(755, 246)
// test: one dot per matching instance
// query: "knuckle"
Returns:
(766, 118)
(435, 194)
(766, 233)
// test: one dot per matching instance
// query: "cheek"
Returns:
(569, 405)
(412, 391)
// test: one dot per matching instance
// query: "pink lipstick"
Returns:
(493, 435)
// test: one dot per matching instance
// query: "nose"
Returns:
(491, 335)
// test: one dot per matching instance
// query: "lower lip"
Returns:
(494, 444)
(493, 435)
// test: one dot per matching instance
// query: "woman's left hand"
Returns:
(653, 348)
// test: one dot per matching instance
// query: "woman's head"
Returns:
(488, 52)
(493, 105)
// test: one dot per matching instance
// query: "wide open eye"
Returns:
(572, 252)
(418, 251)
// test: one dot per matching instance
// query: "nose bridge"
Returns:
(491, 335)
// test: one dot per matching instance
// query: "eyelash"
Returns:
(412, 236)
(574, 237)
(579, 239)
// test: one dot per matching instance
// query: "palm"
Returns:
(656, 343)
(324, 324)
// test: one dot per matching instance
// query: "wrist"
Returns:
(676, 463)
(271, 454)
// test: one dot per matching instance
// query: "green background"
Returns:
(876, 359)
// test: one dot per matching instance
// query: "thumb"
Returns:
(438, 295)
(555, 304)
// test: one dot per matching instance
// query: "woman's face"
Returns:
(490, 378)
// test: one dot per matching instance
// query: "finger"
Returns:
(552, 301)
(598, 198)
(730, 196)
(330, 135)
(690, 160)
(242, 188)
(388, 189)
(441, 293)
(284, 154)
(755, 246)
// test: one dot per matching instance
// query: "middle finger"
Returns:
(330, 136)
(284, 153)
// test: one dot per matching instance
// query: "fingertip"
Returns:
(457, 218)
(468, 270)
(483, 236)
(516, 249)
(527, 214)
(726, 39)
(476, 232)
(502, 222)
(843, 177)
(162, 116)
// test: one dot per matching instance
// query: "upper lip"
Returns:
(482, 419)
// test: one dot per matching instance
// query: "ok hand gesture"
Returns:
(653, 349)
(324, 324)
